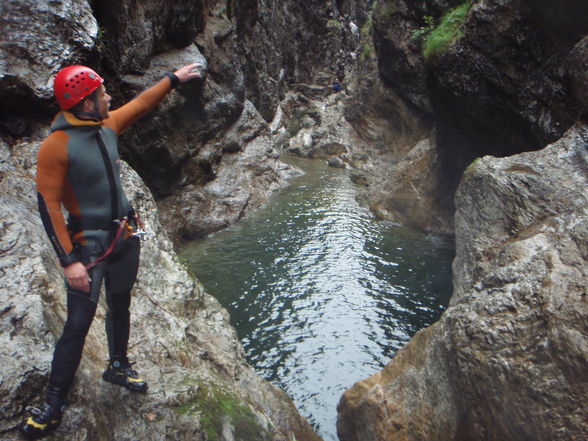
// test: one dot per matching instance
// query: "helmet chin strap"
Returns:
(94, 115)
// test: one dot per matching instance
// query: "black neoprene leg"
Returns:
(119, 280)
(118, 323)
(68, 350)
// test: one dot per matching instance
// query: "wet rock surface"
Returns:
(500, 87)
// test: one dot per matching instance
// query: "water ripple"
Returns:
(321, 294)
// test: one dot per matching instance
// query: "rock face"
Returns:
(200, 385)
(507, 360)
(248, 170)
(36, 38)
(500, 88)
(130, 34)
(388, 106)
(253, 50)
(577, 68)
(506, 77)
(410, 193)
(293, 42)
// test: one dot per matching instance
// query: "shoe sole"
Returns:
(114, 379)
(36, 433)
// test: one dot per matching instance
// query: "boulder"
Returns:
(409, 194)
(578, 72)
(507, 360)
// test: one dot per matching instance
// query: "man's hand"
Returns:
(77, 277)
(189, 72)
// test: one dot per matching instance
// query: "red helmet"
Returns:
(73, 83)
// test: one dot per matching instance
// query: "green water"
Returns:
(321, 293)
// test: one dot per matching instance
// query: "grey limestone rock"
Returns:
(512, 347)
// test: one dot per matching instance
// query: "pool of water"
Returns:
(321, 293)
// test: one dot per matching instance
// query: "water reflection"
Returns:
(321, 294)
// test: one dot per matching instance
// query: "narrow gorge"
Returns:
(465, 120)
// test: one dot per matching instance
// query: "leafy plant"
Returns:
(424, 31)
(366, 51)
(366, 36)
(367, 27)
(448, 31)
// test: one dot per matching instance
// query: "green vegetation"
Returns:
(448, 31)
(101, 39)
(366, 29)
(366, 51)
(367, 46)
(424, 31)
(101, 33)
(334, 24)
(215, 406)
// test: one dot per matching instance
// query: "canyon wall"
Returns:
(507, 360)
(495, 83)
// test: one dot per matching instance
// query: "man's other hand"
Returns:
(77, 277)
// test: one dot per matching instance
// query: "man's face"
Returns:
(102, 102)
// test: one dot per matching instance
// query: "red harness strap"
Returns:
(121, 227)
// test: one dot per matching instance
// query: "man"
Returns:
(78, 168)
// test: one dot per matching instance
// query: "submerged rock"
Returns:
(507, 360)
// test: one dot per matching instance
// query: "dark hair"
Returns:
(78, 108)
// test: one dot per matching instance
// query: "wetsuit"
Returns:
(78, 168)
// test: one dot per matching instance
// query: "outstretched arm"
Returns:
(123, 117)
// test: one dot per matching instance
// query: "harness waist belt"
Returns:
(77, 224)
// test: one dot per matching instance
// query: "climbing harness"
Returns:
(129, 232)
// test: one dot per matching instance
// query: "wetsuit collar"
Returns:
(75, 121)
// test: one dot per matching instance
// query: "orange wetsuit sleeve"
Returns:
(123, 117)
(52, 166)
